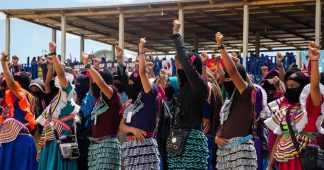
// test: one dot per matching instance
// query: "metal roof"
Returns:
(281, 24)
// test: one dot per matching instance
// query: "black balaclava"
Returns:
(108, 78)
(133, 90)
(23, 79)
(196, 62)
(292, 94)
(230, 86)
(118, 85)
(269, 88)
(82, 86)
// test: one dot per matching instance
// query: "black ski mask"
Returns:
(133, 90)
(292, 94)
(229, 85)
(82, 86)
(108, 78)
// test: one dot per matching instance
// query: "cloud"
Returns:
(2, 16)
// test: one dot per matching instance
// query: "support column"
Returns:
(181, 19)
(53, 35)
(257, 45)
(81, 46)
(7, 40)
(63, 38)
(318, 22)
(113, 53)
(245, 33)
(121, 29)
(196, 45)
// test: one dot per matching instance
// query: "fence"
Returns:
(253, 65)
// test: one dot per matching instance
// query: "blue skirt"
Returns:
(19, 154)
(51, 159)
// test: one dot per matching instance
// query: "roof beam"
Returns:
(283, 15)
(146, 8)
(127, 34)
(106, 34)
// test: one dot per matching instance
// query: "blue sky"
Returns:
(29, 39)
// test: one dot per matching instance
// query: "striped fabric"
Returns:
(59, 125)
(285, 149)
(10, 130)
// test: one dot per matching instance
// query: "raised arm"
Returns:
(219, 71)
(229, 65)
(57, 65)
(204, 58)
(96, 77)
(193, 76)
(162, 78)
(150, 67)
(280, 67)
(314, 56)
(144, 79)
(121, 68)
(49, 76)
(6, 73)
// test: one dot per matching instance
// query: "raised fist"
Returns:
(52, 47)
(219, 38)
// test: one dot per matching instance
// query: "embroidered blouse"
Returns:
(305, 120)
(64, 113)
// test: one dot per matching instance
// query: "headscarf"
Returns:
(41, 86)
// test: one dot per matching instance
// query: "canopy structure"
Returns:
(248, 25)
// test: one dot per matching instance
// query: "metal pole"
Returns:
(63, 38)
(7, 40)
(53, 35)
(318, 22)
(181, 19)
(113, 53)
(257, 45)
(245, 33)
(81, 46)
(121, 29)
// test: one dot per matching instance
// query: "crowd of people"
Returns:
(202, 118)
